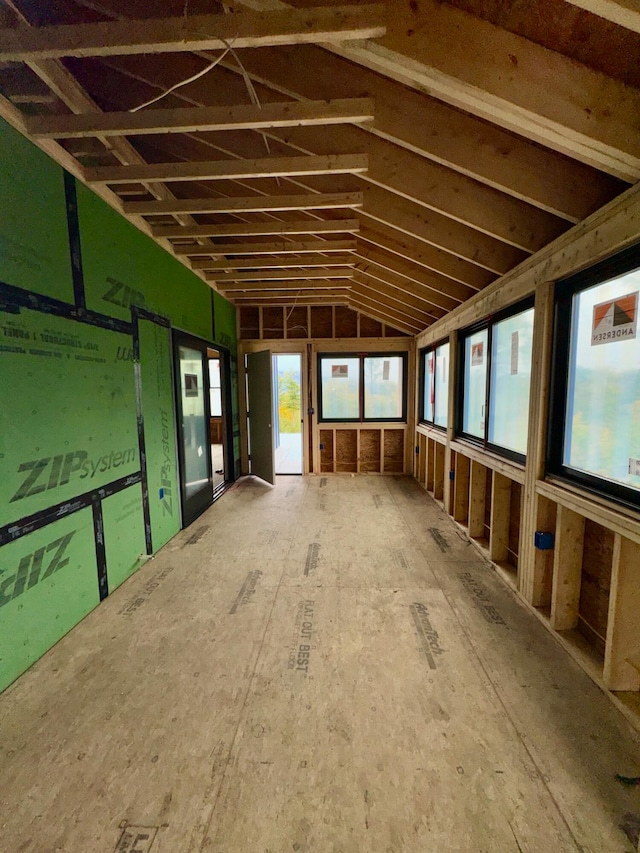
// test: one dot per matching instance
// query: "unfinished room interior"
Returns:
(319, 426)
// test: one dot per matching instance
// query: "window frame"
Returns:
(487, 323)
(424, 353)
(622, 262)
(361, 357)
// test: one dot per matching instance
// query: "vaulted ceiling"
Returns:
(395, 158)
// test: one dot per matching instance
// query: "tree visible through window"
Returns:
(597, 372)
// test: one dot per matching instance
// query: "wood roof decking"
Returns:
(439, 144)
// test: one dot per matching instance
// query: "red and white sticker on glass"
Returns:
(615, 320)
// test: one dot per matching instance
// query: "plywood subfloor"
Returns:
(323, 666)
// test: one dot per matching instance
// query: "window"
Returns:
(362, 387)
(594, 428)
(434, 406)
(495, 379)
(214, 387)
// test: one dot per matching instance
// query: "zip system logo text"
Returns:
(36, 567)
(51, 472)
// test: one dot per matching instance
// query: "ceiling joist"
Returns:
(275, 262)
(193, 33)
(201, 119)
(291, 287)
(268, 167)
(259, 229)
(250, 204)
(263, 277)
(280, 247)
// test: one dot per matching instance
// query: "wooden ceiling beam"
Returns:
(436, 130)
(437, 296)
(435, 187)
(510, 81)
(277, 298)
(231, 287)
(201, 119)
(249, 204)
(225, 170)
(258, 229)
(276, 247)
(196, 32)
(624, 13)
(261, 276)
(413, 177)
(274, 262)
(64, 85)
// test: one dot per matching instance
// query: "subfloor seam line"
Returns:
(247, 693)
(472, 647)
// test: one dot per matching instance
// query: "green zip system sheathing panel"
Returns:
(67, 412)
(34, 241)
(123, 534)
(158, 413)
(123, 267)
(68, 406)
(47, 585)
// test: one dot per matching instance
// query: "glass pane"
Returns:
(475, 383)
(195, 429)
(429, 390)
(441, 409)
(216, 402)
(340, 387)
(510, 380)
(603, 402)
(214, 372)
(383, 387)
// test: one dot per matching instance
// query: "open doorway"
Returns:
(217, 421)
(287, 416)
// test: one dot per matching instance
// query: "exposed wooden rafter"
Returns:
(625, 13)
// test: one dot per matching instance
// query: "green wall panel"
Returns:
(48, 583)
(34, 240)
(123, 534)
(67, 411)
(159, 431)
(122, 267)
(224, 314)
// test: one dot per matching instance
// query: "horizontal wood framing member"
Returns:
(277, 247)
(201, 119)
(274, 262)
(196, 32)
(482, 151)
(258, 229)
(247, 204)
(218, 170)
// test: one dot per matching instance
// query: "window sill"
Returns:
(512, 470)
